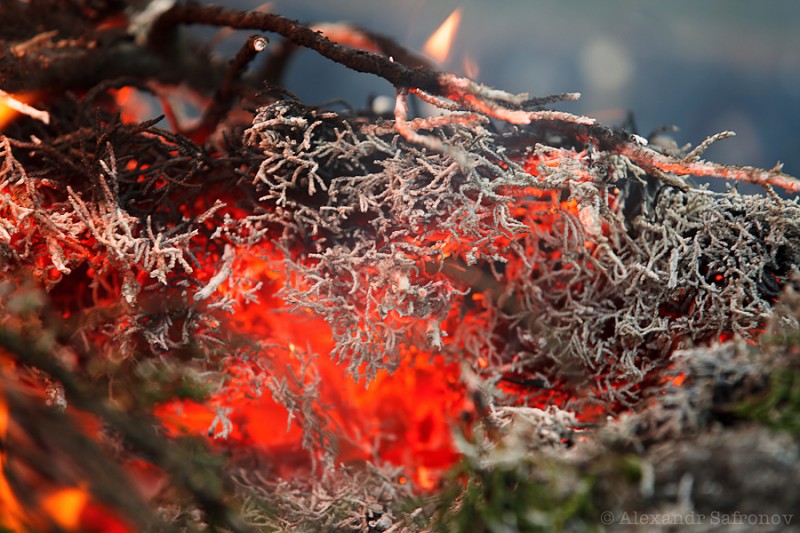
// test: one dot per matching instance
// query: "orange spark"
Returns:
(438, 44)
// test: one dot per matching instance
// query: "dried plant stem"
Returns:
(471, 95)
(463, 93)
(700, 149)
(224, 97)
(396, 73)
(661, 165)
(409, 133)
(651, 160)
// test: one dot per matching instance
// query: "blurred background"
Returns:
(701, 66)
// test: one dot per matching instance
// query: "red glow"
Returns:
(61, 507)
(98, 519)
(133, 107)
(11, 513)
(403, 418)
(66, 507)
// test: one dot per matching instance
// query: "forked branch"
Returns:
(452, 92)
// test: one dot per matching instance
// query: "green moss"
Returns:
(188, 389)
(630, 466)
(782, 339)
(158, 381)
(549, 496)
(779, 406)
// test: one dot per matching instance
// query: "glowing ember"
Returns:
(310, 297)
(133, 106)
(679, 380)
(66, 506)
(57, 505)
(438, 44)
(403, 418)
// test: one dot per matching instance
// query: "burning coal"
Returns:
(300, 319)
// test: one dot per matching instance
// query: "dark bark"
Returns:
(395, 72)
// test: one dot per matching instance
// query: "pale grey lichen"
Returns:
(383, 238)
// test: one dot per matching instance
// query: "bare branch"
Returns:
(698, 151)
(225, 95)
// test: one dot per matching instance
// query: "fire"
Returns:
(12, 105)
(65, 507)
(133, 106)
(471, 68)
(11, 512)
(53, 505)
(438, 44)
(181, 265)
(403, 418)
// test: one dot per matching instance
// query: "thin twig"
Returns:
(223, 99)
(695, 154)
(430, 142)
(395, 72)
(652, 161)
(471, 96)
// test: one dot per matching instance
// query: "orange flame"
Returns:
(403, 418)
(438, 44)
(11, 512)
(471, 68)
(65, 507)
(12, 105)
